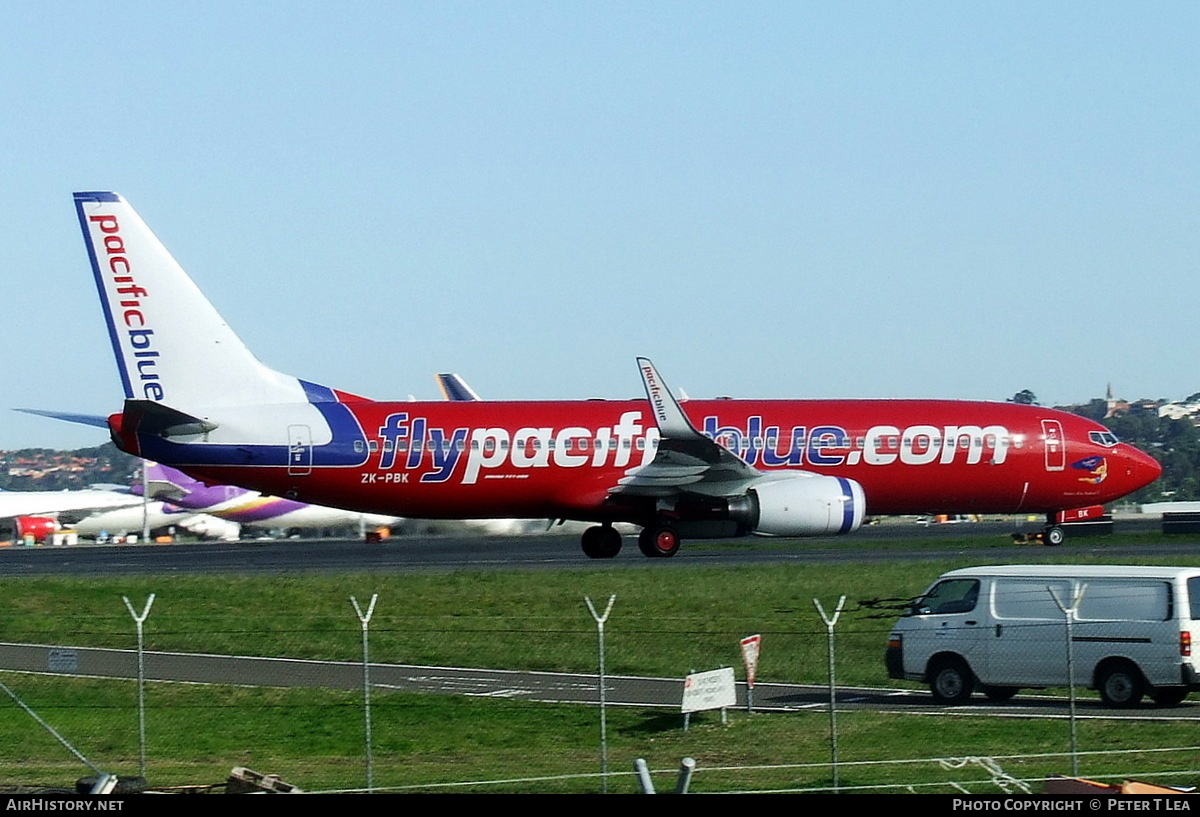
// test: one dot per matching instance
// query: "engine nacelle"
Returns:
(212, 527)
(39, 528)
(800, 505)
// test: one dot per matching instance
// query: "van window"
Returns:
(950, 596)
(1124, 601)
(1194, 596)
(1030, 599)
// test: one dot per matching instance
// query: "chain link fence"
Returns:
(366, 699)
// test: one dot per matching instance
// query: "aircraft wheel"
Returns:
(601, 542)
(658, 541)
(1120, 684)
(1055, 535)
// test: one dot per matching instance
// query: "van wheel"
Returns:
(1120, 684)
(1168, 696)
(950, 681)
(998, 695)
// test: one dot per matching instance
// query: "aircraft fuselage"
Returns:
(561, 459)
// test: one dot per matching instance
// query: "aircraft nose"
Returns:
(1141, 468)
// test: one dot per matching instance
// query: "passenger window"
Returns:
(950, 596)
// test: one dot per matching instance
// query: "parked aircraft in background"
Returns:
(250, 508)
(158, 515)
(197, 399)
(46, 503)
(36, 513)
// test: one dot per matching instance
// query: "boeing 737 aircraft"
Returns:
(198, 400)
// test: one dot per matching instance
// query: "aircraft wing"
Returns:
(46, 503)
(686, 461)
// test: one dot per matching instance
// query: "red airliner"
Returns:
(197, 399)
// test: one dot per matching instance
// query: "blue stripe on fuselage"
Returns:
(340, 451)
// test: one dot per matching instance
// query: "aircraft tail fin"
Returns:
(455, 389)
(172, 346)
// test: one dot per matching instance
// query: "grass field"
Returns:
(664, 622)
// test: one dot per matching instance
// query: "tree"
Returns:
(1024, 397)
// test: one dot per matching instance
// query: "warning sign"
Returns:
(750, 645)
(709, 690)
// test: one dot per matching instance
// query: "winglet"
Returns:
(671, 420)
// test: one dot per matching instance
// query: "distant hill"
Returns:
(43, 469)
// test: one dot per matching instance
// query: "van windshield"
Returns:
(950, 596)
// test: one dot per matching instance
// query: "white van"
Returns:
(998, 629)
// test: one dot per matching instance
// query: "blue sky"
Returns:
(768, 199)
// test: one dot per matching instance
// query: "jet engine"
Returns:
(800, 505)
(212, 527)
(41, 528)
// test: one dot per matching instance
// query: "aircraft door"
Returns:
(1055, 445)
(299, 450)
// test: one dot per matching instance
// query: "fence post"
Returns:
(833, 741)
(600, 619)
(1070, 612)
(141, 679)
(365, 619)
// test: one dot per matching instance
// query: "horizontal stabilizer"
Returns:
(81, 419)
(164, 483)
(164, 421)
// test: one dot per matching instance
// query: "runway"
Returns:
(988, 541)
(541, 687)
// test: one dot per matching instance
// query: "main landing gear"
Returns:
(655, 541)
(601, 542)
(658, 541)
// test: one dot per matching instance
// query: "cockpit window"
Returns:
(1105, 438)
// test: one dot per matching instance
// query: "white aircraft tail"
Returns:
(171, 345)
